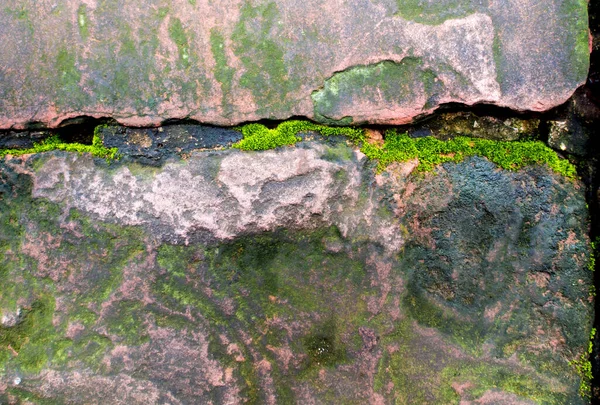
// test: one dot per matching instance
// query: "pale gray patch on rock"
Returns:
(225, 194)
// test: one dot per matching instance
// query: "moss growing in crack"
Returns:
(431, 152)
(594, 246)
(399, 147)
(96, 149)
(259, 137)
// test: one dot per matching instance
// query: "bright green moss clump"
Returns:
(97, 148)
(431, 152)
(259, 137)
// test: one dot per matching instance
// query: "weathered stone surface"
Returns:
(294, 275)
(377, 61)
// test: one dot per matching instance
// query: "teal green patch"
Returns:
(385, 83)
(574, 18)
(467, 334)
(284, 275)
(82, 21)
(29, 342)
(223, 72)
(179, 35)
(266, 72)
(480, 377)
(434, 12)
(91, 255)
(68, 79)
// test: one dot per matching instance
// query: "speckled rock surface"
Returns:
(225, 62)
(297, 275)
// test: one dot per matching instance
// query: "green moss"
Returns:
(468, 335)
(594, 246)
(223, 72)
(323, 345)
(259, 137)
(82, 21)
(431, 152)
(96, 149)
(21, 14)
(126, 320)
(68, 77)
(574, 20)
(483, 376)
(435, 12)
(583, 366)
(179, 36)
(31, 338)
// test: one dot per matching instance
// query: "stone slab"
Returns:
(230, 61)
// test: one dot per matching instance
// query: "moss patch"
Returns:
(431, 152)
(96, 149)
(399, 147)
(179, 35)
(583, 366)
(259, 137)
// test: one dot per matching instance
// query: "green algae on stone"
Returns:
(575, 21)
(223, 72)
(266, 72)
(179, 35)
(68, 78)
(434, 12)
(82, 21)
(385, 83)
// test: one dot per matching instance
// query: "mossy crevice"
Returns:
(96, 149)
(259, 137)
(399, 147)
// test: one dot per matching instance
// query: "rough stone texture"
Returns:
(225, 62)
(289, 276)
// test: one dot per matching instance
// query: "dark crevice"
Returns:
(80, 129)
